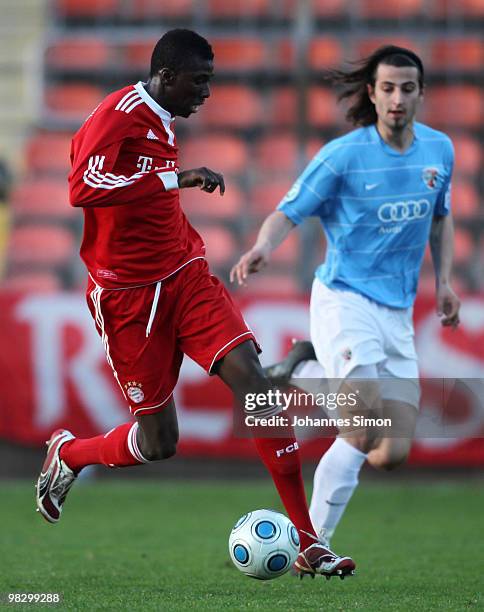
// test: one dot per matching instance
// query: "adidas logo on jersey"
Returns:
(151, 135)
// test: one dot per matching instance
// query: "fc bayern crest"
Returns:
(134, 391)
(430, 176)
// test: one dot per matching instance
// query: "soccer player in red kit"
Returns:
(150, 290)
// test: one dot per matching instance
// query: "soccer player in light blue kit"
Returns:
(381, 192)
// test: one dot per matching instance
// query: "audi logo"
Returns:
(392, 212)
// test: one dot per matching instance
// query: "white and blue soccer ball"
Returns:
(264, 544)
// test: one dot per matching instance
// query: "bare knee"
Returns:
(158, 445)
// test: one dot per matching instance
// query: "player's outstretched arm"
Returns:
(206, 179)
(442, 249)
(273, 231)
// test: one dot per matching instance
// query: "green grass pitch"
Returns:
(127, 545)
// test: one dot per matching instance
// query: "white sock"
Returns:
(335, 479)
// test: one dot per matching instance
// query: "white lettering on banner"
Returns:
(203, 423)
(274, 321)
(441, 360)
(48, 315)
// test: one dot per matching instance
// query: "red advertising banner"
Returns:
(53, 373)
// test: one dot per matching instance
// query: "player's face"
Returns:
(396, 95)
(191, 87)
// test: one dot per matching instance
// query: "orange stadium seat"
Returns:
(78, 54)
(239, 53)
(86, 8)
(264, 197)
(451, 8)
(283, 107)
(457, 54)
(279, 153)
(468, 154)
(276, 153)
(222, 153)
(385, 9)
(325, 53)
(329, 8)
(323, 109)
(197, 203)
(137, 53)
(235, 106)
(48, 153)
(320, 8)
(465, 199)
(42, 198)
(366, 46)
(159, 8)
(237, 8)
(221, 246)
(73, 101)
(454, 105)
(40, 246)
(281, 54)
(32, 281)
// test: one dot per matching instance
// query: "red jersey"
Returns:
(124, 176)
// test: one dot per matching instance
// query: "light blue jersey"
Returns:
(376, 207)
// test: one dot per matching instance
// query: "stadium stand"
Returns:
(265, 196)
(220, 243)
(448, 106)
(270, 110)
(324, 53)
(238, 9)
(150, 9)
(83, 53)
(239, 53)
(233, 106)
(198, 204)
(462, 54)
(72, 101)
(33, 281)
(382, 9)
(47, 153)
(34, 247)
(73, 9)
(226, 152)
(42, 197)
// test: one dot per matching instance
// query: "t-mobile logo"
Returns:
(289, 449)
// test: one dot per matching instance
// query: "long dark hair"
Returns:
(362, 112)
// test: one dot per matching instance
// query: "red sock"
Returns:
(117, 448)
(281, 457)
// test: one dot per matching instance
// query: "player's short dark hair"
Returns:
(362, 112)
(177, 48)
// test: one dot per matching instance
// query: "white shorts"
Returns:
(348, 331)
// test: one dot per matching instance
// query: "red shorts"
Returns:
(146, 330)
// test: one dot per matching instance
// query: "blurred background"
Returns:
(270, 111)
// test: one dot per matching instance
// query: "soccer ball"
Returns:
(263, 544)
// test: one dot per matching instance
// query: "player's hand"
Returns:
(448, 306)
(253, 261)
(206, 179)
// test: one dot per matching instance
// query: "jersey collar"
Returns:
(375, 134)
(155, 107)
